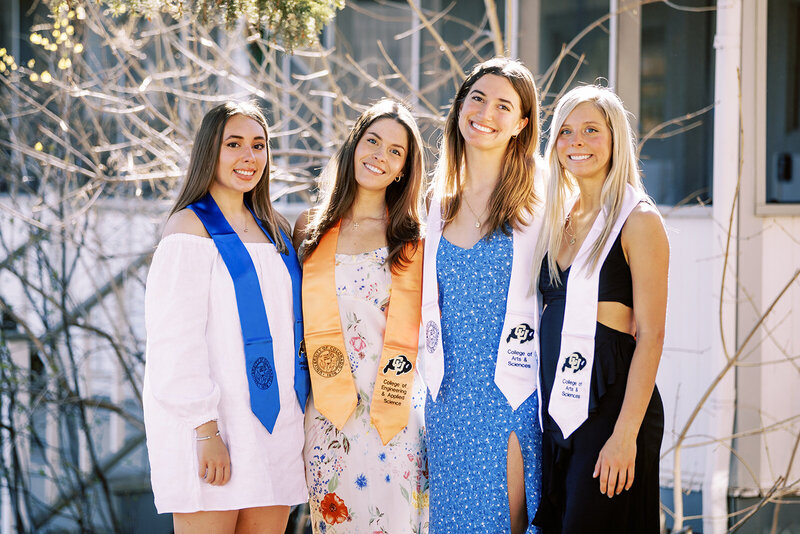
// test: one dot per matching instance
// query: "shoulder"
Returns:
(300, 226)
(645, 229)
(644, 217)
(184, 222)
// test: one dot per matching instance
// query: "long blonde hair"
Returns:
(205, 158)
(562, 185)
(403, 198)
(513, 196)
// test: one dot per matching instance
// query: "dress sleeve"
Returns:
(176, 313)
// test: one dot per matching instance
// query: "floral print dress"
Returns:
(356, 484)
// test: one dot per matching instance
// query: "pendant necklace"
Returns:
(245, 225)
(477, 218)
(356, 224)
(571, 234)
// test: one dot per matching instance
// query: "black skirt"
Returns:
(571, 499)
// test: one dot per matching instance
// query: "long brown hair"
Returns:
(205, 158)
(403, 199)
(514, 194)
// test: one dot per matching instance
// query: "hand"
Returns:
(615, 464)
(213, 460)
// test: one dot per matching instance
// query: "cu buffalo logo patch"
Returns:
(574, 361)
(262, 373)
(328, 361)
(399, 364)
(431, 336)
(522, 333)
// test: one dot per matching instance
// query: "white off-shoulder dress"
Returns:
(195, 372)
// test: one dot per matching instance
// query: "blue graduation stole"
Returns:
(258, 353)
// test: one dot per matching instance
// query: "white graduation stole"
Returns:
(516, 370)
(569, 400)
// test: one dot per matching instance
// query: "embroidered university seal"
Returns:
(574, 361)
(262, 373)
(399, 364)
(328, 361)
(431, 336)
(522, 333)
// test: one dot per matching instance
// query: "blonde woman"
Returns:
(479, 321)
(603, 261)
(365, 453)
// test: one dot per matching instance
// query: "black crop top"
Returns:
(615, 279)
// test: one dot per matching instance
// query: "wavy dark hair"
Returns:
(514, 195)
(403, 199)
(205, 158)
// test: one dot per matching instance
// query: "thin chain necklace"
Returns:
(245, 225)
(477, 218)
(573, 232)
(570, 231)
(356, 224)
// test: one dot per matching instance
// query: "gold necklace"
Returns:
(236, 227)
(477, 218)
(570, 231)
(356, 224)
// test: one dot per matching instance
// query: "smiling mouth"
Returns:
(579, 157)
(245, 172)
(373, 169)
(480, 127)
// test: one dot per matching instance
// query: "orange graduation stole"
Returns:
(331, 376)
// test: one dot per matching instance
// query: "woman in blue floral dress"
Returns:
(483, 441)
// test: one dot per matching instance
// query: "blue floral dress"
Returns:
(469, 423)
(356, 484)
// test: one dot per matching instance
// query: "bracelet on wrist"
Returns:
(203, 438)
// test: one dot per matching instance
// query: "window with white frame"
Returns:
(660, 58)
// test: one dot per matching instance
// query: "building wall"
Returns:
(768, 396)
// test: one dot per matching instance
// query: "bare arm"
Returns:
(213, 459)
(645, 243)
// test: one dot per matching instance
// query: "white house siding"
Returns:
(780, 351)
(684, 373)
(768, 392)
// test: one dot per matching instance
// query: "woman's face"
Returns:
(242, 156)
(491, 113)
(584, 143)
(380, 154)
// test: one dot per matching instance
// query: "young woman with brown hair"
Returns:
(225, 386)
(365, 456)
(479, 321)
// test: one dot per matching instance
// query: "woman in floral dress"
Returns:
(366, 464)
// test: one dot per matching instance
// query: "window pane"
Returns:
(783, 96)
(677, 79)
(466, 30)
(560, 23)
(359, 27)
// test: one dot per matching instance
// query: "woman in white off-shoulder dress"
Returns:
(213, 463)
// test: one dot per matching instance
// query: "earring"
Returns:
(398, 177)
